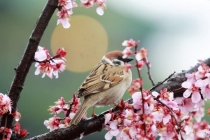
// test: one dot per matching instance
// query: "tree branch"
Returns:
(96, 124)
(27, 59)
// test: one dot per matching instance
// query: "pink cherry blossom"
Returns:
(65, 11)
(191, 89)
(137, 101)
(127, 52)
(17, 115)
(113, 130)
(61, 53)
(142, 55)
(140, 64)
(101, 7)
(129, 43)
(191, 77)
(137, 83)
(205, 86)
(52, 123)
(185, 104)
(201, 130)
(63, 17)
(202, 70)
(127, 66)
(87, 3)
(58, 66)
(198, 113)
(41, 54)
(5, 104)
(48, 65)
(107, 117)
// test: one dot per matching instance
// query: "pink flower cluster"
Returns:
(198, 84)
(159, 116)
(5, 104)
(21, 132)
(7, 132)
(67, 108)
(49, 65)
(65, 9)
(136, 85)
(141, 55)
(90, 3)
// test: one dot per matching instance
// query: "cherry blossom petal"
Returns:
(64, 22)
(108, 136)
(202, 83)
(155, 94)
(201, 134)
(127, 122)
(188, 129)
(69, 4)
(206, 92)
(158, 116)
(196, 97)
(113, 124)
(107, 118)
(71, 115)
(125, 43)
(84, 1)
(173, 105)
(137, 103)
(187, 93)
(166, 119)
(37, 71)
(114, 132)
(138, 56)
(187, 84)
(40, 56)
(100, 11)
(36, 64)
(132, 132)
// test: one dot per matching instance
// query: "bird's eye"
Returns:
(119, 58)
(116, 61)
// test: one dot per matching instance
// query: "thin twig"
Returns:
(149, 74)
(69, 110)
(141, 89)
(160, 83)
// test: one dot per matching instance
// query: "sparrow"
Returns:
(105, 85)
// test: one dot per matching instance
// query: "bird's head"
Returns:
(116, 58)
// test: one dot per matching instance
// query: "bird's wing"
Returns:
(101, 78)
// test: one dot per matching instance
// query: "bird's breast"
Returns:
(115, 93)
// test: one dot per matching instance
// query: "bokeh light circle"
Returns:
(85, 41)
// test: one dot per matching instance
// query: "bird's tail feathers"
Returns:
(78, 116)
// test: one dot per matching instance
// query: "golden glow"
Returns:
(85, 42)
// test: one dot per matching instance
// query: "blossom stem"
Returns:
(149, 74)
(160, 83)
(141, 89)
(69, 110)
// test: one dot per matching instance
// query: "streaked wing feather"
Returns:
(101, 78)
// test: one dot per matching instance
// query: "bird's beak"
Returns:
(128, 59)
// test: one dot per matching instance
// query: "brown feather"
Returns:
(101, 78)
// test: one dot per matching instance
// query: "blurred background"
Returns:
(176, 34)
